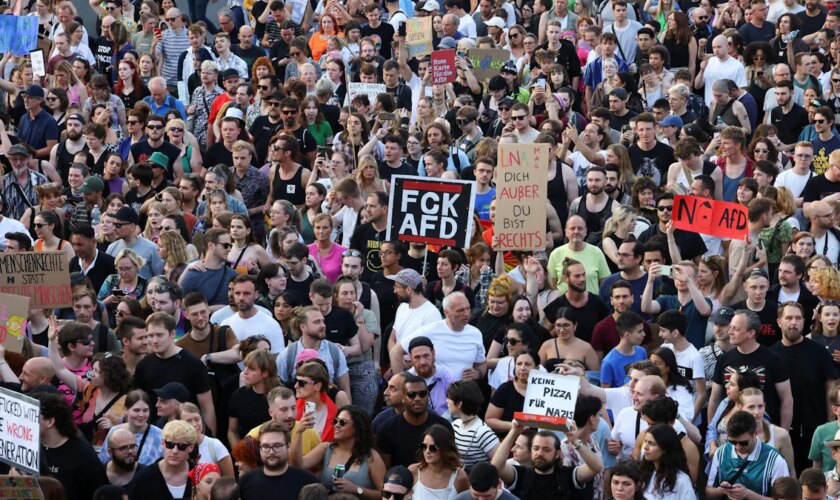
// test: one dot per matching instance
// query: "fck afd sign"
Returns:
(431, 211)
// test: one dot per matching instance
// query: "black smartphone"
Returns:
(384, 117)
(625, 128)
(402, 29)
(321, 151)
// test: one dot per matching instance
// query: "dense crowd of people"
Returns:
(242, 325)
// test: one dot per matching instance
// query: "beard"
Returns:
(543, 465)
(576, 288)
(73, 136)
(124, 465)
(610, 189)
(275, 463)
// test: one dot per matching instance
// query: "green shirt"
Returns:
(320, 132)
(593, 261)
(819, 451)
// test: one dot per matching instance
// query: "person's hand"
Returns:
(669, 229)
(564, 369)
(627, 136)
(571, 434)
(653, 271)
(613, 446)
(494, 242)
(307, 421)
(191, 109)
(197, 266)
(52, 331)
(516, 427)
(343, 485)
(737, 492)
(509, 128)
(470, 374)
(381, 133)
(104, 423)
(252, 267)
(403, 113)
(704, 63)
(358, 311)
(531, 266)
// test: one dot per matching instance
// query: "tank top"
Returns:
(63, 160)
(727, 115)
(557, 194)
(359, 476)
(290, 190)
(595, 220)
(423, 492)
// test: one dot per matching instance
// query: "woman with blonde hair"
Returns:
(824, 283)
(155, 212)
(210, 450)
(248, 407)
(65, 78)
(125, 283)
(425, 115)
(173, 250)
(189, 160)
(617, 229)
(752, 402)
(367, 177)
(324, 250)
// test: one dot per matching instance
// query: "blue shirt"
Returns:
(613, 368)
(482, 203)
(36, 132)
(638, 288)
(696, 330)
(168, 104)
(594, 72)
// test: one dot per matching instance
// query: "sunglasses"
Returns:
(302, 383)
(119, 225)
(39, 225)
(463, 121)
(110, 8)
(226, 246)
(181, 446)
(761, 151)
(351, 253)
(396, 496)
(512, 342)
(415, 394)
(518, 118)
(433, 448)
(820, 121)
(51, 98)
(132, 122)
(274, 104)
(154, 127)
(703, 18)
(340, 422)
(290, 112)
(503, 108)
(514, 35)
(664, 208)
(262, 87)
(735, 442)
(176, 129)
(170, 19)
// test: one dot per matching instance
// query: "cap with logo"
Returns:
(92, 184)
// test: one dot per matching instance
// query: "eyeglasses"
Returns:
(433, 448)
(519, 117)
(290, 111)
(268, 448)
(761, 151)
(735, 442)
(302, 382)
(512, 342)
(181, 446)
(128, 447)
(415, 394)
(668, 208)
(386, 495)
(351, 253)
(39, 225)
(125, 269)
(85, 341)
(340, 422)
(154, 127)
(171, 19)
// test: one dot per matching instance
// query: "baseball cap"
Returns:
(407, 277)
(420, 341)
(92, 184)
(306, 355)
(174, 390)
(495, 21)
(722, 316)
(125, 214)
(159, 160)
(18, 149)
(35, 91)
(672, 121)
(430, 6)
(400, 476)
(447, 42)
(78, 117)
(620, 93)
(229, 73)
(509, 67)
(505, 101)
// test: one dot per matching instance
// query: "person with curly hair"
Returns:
(824, 283)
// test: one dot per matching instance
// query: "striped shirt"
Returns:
(759, 470)
(170, 49)
(475, 441)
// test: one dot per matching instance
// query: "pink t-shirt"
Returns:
(331, 264)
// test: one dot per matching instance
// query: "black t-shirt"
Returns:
(430, 271)
(250, 408)
(770, 332)
(508, 399)
(752, 34)
(818, 187)
(560, 484)
(76, 466)
(255, 485)
(262, 130)
(368, 240)
(135, 201)
(142, 150)
(690, 244)
(588, 316)
(765, 363)
(491, 327)
(306, 144)
(104, 55)
(218, 153)
(813, 368)
(301, 288)
(461, 89)
(341, 326)
(660, 158)
(248, 55)
(385, 33)
(400, 439)
(153, 373)
(809, 25)
(386, 171)
(791, 124)
(616, 122)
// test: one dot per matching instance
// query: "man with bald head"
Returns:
(169, 46)
(821, 215)
(718, 67)
(123, 466)
(35, 372)
(103, 48)
(578, 249)
(245, 49)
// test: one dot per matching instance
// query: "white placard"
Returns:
(551, 395)
(20, 433)
(370, 89)
(39, 69)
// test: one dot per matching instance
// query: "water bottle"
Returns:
(95, 215)
(790, 36)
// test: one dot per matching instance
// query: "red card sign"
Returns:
(715, 218)
(443, 66)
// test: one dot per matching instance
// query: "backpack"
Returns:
(292, 352)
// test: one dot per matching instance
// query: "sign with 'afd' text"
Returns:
(431, 211)
(705, 216)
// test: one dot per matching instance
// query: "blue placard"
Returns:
(18, 34)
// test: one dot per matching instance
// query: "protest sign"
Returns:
(39, 69)
(432, 211)
(44, 277)
(418, 36)
(521, 179)
(20, 434)
(369, 89)
(706, 216)
(549, 400)
(487, 63)
(20, 487)
(443, 66)
(13, 312)
(18, 34)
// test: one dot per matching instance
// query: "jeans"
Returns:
(198, 12)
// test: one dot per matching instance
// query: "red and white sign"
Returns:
(443, 66)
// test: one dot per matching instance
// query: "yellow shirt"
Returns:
(311, 439)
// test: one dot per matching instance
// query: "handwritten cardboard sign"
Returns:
(18, 34)
(20, 488)
(20, 434)
(13, 312)
(44, 277)
(716, 218)
(521, 179)
(369, 89)
(418, 36)
(39, 69)
(487, 63)
(432, 211)
(549, 400)
(443, 66)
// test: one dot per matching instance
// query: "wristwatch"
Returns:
(208, 358)
(360, 491)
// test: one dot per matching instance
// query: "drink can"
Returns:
(338, 472)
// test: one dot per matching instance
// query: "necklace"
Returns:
(828, 345)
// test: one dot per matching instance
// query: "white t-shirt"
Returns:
(731, 69)
(580, 165)
(683, 489)
(689, 361)
(626, 39)
(829, 247)
(9, 225)
(455, 351)
(258, 324)
(347, 219)
(410, 320)
(624, 430)
(466, 26)
(793, 181)
(211, 451)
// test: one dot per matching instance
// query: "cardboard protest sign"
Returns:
(20, 487)
(13, 312)
(715, 218)
(18, 34)
(418, 36)
(44, 277)
(20, 434)
(487, 63)
(549, 400)
(432, 211)
(39, 69)
(443, 66)
(369, 89)
(521, 179)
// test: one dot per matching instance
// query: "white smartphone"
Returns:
(666, 271)
(310, 407)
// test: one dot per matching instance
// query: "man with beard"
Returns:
(143, 150)
(368, 238)
(389, 253)
(549, 478)
(811, 19)
(689, 300)
(293, 126)
(281, 408)
(61, 155)
(789, 118)
(18, 191)
(812, 376)
(85, 305)
(588, 151)
(368, 55)
(577, 249)
(789, 288)
(702, 32)
(422, 353)
(123, 466)
(135, 341)
(681, 244)
(203, 98)
(248, 321)
(596, 206)
(399, 438)
(208, 342)
(275, 475)
(376, 29)
(313, 333)
(414, 310)
(95, 265)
